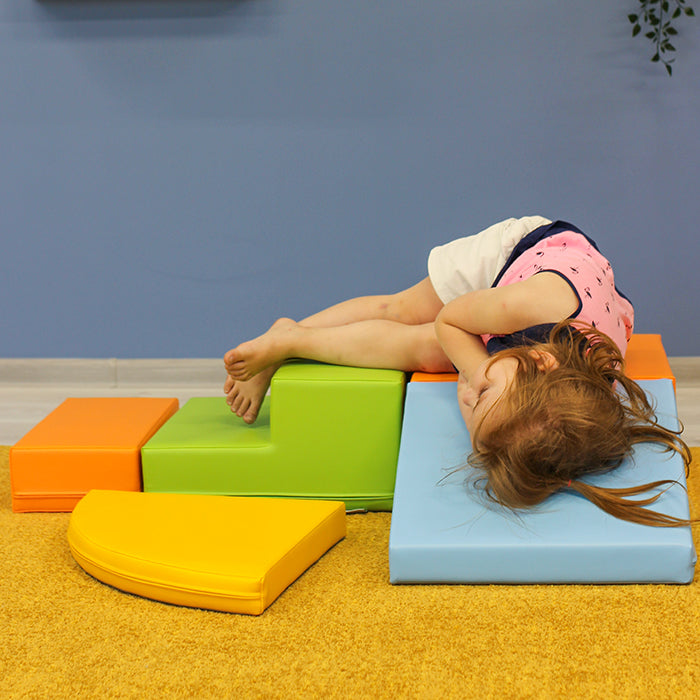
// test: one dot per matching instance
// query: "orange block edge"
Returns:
(81, 445)
(645, 359)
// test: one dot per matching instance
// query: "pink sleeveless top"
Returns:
(590, 275)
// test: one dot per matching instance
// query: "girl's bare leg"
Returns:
(415, 306)
(373, 343)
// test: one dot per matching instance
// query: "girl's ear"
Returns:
(544, 360)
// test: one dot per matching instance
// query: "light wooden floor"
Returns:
(31, 389)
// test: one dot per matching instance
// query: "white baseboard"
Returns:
(115, 372)
(111, 372)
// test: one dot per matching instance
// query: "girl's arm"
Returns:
(543, 298)
(465, 350)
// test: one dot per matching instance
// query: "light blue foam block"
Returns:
(444, 531)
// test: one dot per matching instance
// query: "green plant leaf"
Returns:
(656, 18)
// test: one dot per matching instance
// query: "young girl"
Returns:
(528, 313)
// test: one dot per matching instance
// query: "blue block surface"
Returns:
(443, 529)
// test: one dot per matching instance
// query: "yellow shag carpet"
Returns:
(340, 631)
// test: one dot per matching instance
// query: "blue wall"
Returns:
(174, 175)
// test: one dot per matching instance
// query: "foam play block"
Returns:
(324, 432)
(229, 554)
(434, 377)
(85, 443)
(444, 530)
(645, 359)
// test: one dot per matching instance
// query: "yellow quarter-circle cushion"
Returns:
(233, 554)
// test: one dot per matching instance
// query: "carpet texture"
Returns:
(340, 631)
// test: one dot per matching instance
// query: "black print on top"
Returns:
(539, 234)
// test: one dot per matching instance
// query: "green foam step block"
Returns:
(325, 431)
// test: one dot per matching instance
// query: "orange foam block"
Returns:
(645, 359)
(86, 443)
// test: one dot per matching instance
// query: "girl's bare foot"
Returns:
(246, 398)
(271, 348)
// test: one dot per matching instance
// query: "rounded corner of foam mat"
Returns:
(232, 554)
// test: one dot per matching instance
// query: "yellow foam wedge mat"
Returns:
(233, 554)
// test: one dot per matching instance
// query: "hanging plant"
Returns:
(658, 16)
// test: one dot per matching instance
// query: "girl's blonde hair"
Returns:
(580, 417)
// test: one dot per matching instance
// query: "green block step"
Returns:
(324, 432)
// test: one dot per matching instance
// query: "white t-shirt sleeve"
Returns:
(472, 262)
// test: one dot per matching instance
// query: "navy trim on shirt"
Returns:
(529, 336)
(539, 333)
(534, 237)
(579, 308)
